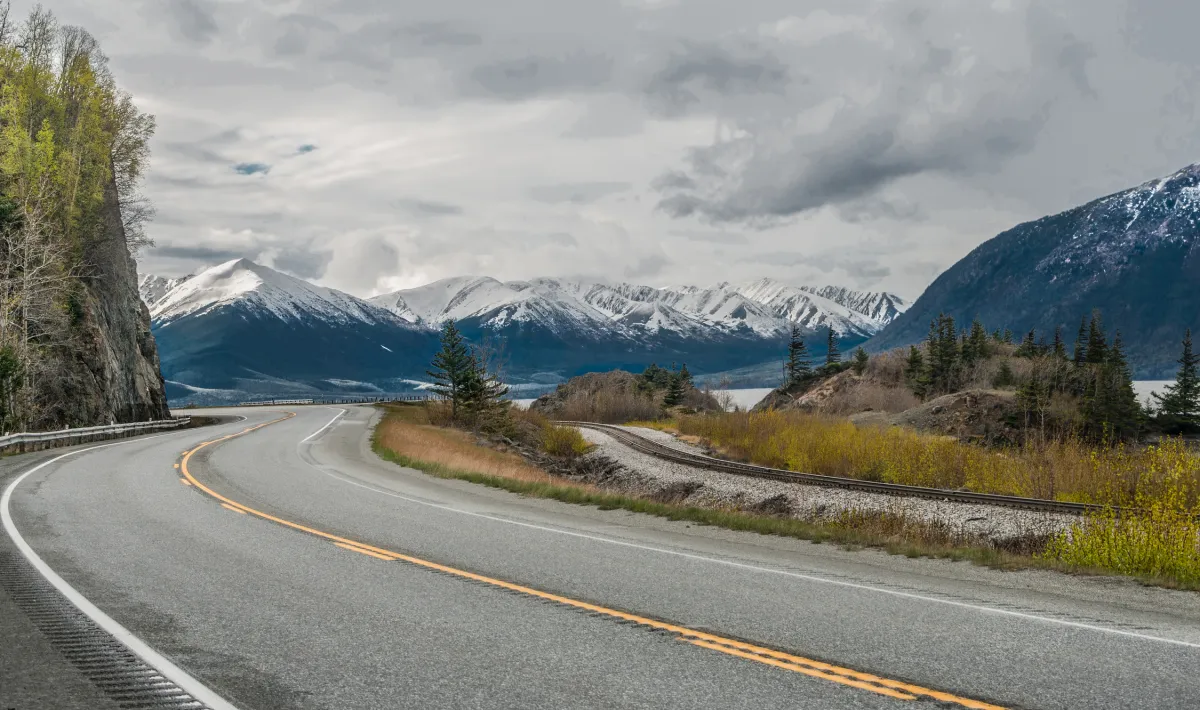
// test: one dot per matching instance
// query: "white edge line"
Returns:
(156, 660)
(336, 417)
(770, 570)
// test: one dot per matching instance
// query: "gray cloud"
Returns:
(194, 19)
(306, 264)
(577, 192)
(444, 33)
(646, 267)
(770, 171)
(202, 253)
(427, 207)
(699, 68)
(526, 77)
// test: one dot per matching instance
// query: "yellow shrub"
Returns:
(564, 441)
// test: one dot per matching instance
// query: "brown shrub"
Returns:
(609, 407)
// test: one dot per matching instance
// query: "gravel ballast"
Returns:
(634, 473)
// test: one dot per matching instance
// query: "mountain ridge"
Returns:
(1134, 254)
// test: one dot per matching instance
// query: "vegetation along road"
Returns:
(278, 563)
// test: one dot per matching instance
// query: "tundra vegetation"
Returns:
(73, 147)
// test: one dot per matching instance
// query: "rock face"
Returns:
(111, 372)
(1134, 255)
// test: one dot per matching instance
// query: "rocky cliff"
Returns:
(110, 371)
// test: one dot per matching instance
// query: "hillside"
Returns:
(1134, 255)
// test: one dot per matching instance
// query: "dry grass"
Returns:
(1162, 481)
(1159, 548)
(406, 432)
(868, 396)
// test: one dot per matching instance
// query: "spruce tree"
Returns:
(978, 340)
(685, 377)
(1028, 347)
(861, 360)
(1112, 411)
(1008, 336)
(914, 372)
(452, 368)
(482, 393)
(1097, 347)
(1181, 402)
(798, 367)
(675, 391)
(1004, 376)
(832, 355)
(1080, 355)
(1060, 348)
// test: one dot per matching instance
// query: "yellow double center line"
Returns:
(767, 656)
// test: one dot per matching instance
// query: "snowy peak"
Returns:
(263, 290)
(152, 288)
(765, 307)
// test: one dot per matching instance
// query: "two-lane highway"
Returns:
(288, 567)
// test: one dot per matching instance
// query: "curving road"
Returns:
(300, 571)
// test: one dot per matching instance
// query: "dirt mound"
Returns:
(983, 416)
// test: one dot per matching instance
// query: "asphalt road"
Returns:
(270, 616)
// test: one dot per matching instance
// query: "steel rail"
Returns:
(667, 453)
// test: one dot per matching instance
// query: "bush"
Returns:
(564, 441)
(609, 407)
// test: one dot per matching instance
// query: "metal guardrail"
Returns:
(65, 437)
(657, 450)
(340, 400)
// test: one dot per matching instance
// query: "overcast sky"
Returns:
(372, 145)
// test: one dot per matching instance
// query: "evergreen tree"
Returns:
(675, 391)
(1097, 347)
(914, 372)
(798, 367)
(861, 360)
(977, 344)
(944, 356)
(1060, 348)
(1008, 336)
(1080, 356)
(1181, 402)
(832, 355)
(685, 377)
(1112, 411)
(452, 369)
(1028, 347)
(482, 392)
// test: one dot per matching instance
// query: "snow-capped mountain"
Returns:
(266, 291)
(240, 329)
(1135, 255)
(764, 308)
(243, 327)
(152, 288)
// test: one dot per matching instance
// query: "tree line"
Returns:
(73, 148)
(798, 368)
(1093, 377)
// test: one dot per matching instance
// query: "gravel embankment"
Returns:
(638, 474)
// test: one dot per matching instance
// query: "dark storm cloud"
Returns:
(576, 193)
(527, 77)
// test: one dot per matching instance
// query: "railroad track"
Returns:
(657, 450)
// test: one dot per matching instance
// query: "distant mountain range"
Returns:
(1135, 255)
(240, 329)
